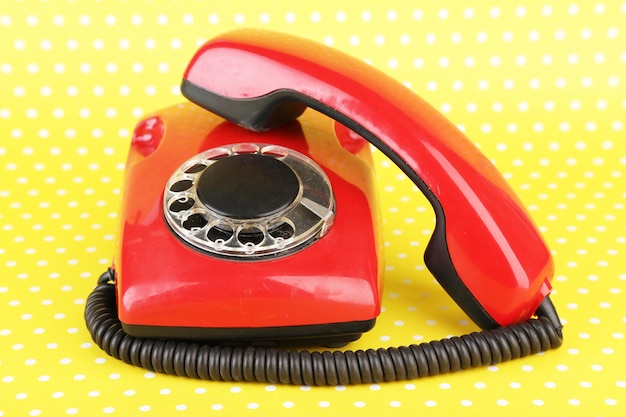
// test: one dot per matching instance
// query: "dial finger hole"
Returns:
(281, 230)
(181, 185)
(244, 148)
(251, 235)
(182, 204)
(275, 151)
(194, 169)
(220, 233)
(216, 153)
(195, 222)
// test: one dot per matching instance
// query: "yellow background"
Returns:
(539, 86)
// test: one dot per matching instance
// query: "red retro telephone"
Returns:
(263, 227)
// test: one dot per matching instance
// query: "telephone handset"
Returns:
(267, 229)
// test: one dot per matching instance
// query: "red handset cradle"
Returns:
(485, 251)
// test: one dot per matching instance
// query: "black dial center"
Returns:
(248, 186)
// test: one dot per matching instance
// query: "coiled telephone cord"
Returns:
(302, 367)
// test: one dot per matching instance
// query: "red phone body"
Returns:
(485, 251)
(166, 288)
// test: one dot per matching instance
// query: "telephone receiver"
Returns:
(261, 203)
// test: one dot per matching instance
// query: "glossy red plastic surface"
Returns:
(147, 135)
(163, 282)
(493, 244)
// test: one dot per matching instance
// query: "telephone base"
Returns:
(329, 335)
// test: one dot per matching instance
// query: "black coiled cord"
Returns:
(302, 367)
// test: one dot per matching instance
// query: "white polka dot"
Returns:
(136, 19)
(188, 19)
(239, 18)
(150, 43)
(494, 12)
(534, 35)
(19, 44)
(520, 11)
(214, 19)
(290, 17)
(264, 18)
(392, 15)
(316, 17)
(45, 44)
(417, 14)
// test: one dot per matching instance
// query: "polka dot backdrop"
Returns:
(539, 86)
